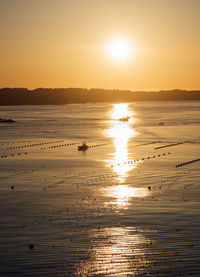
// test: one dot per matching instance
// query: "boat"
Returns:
(124, 119)
(4, 120)
(83, 147)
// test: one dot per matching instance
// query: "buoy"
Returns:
(31, 246)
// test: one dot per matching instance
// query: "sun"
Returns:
(119, 50)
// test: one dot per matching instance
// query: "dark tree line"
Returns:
(59, 96)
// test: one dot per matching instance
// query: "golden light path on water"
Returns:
(122, 194)
(121, 132)
(117, 251)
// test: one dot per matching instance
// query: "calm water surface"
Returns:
(128, 206)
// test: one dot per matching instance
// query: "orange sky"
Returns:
(62, 43)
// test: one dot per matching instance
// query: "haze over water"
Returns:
(128, 206)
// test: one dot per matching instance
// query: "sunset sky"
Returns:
(71, 43)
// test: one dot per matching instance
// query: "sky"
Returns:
(65, 43)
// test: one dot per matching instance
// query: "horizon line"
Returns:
(98, 88)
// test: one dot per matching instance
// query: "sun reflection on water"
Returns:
(120, 111)
(121, 132)
(122, 194)
(117, 251)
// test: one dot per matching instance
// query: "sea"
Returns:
(126, 206)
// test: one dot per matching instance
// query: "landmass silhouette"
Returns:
(60, 96)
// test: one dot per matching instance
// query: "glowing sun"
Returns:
(119, 50)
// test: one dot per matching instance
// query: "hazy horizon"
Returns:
(101, 88)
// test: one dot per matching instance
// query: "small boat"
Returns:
(124, 119)
(83, 147)
(4, 120)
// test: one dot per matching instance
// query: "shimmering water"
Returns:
(128, 206)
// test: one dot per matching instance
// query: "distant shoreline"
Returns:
(62, 96)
